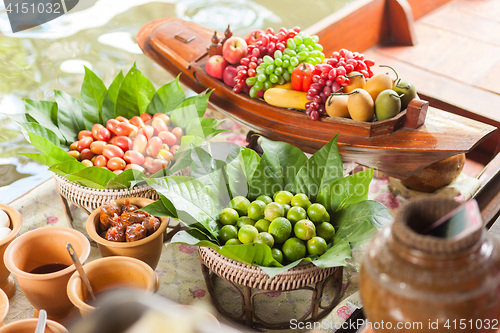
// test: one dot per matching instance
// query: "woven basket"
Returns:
(89, 199)
(254, 277)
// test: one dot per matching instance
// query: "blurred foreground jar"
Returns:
(418, 283)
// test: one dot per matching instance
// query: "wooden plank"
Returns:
(358, 26)
(423, 7)
(487, 9)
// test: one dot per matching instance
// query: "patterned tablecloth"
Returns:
(179, 267)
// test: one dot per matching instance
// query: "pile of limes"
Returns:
(291, 225)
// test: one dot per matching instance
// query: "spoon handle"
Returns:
(42, 321)
(80, 270)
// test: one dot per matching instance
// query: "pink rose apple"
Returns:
(234, 49)
(253, 36)
(215, 66)
(229, 75)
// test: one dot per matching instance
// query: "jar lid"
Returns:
(417, 215)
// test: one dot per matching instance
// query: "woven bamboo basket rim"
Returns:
(93, 198)
(254, 277)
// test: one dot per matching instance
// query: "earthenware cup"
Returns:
(147, 249)
(29, 325)
(41, 247)
(111, 273)
(4, 306)
(7, 283)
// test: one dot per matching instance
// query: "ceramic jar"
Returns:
(7, 283)
(430, 284)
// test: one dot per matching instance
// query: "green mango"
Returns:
(387, 104)
(408, 90)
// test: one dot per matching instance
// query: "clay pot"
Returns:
(7, 283)
(4, 306)
(409, 277)
(436, 175)
(29, 325)
(41, 247)
(147, 249)
(111, 273)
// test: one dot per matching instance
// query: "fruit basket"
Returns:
(323, 282)
(257, 236)
(105, 145)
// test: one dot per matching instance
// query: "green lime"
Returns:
(228, 232)
(294, 249)
(256, 210)
(325, 230)
(283, 197)
(244, 220)
(277, 254)
(281, 229)
(265, 198)
(304, 229)
(316, 245)
(301, 200)
(326, 218)
(247, 234)
(264, 238)
(296, 213)
(228, 216)
(286, 207)
(262, 225)
(233, 241)
(274, 210)
(316, 212)
(240, 204)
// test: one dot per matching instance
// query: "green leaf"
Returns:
(236, 179)
(125, 179)
(134, 95)
(109, 102)
(335, 256)
(346, 191)
(194, 202)
(355, 233)
(47, 147)
(167, 98)
(191, 237)
(251, 254)
(69, 116)
(161, 208)
(92, 96)
(66, 167)
(284, 160)
(41, 158)
(322, 169)
(93, 177)
(253, 168)
(45, 114)
(200, 101)
(182, 115)
(203, 127)
(41, 131)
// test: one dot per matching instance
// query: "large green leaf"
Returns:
(92, 96)
(41, 131)
(162, 207)
(194, 202)
(45, 114)
(93, 177)
(372, 211)
(346, 191)
(47, 147)
(66, 167)
(124, 179)
(109, 102)
(134, 95)
(167, 98)
(335, 256)
(203, 127)
(200, 101)
(283, 160)
(322, 169)
(41, 158)
(183, 115)
(69, 116)
(258, 181)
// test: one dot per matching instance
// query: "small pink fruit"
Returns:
(215, 66)
(234, 49)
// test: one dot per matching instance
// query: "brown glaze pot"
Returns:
(147, 249)
(7, 283)
(41, 247)
(29, 325)
(111, 273)
(436, 175)
(414, 278)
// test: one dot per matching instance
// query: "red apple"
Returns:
(253, 36)
(229, 75)
(234, 49)
(215, 66)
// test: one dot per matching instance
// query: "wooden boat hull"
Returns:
(399, 146)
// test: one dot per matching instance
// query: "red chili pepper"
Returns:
(302, 76)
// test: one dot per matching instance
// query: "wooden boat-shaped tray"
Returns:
(400, 146)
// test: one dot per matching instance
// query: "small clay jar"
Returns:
(442, 285)
(7, 283)
(29, 325)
